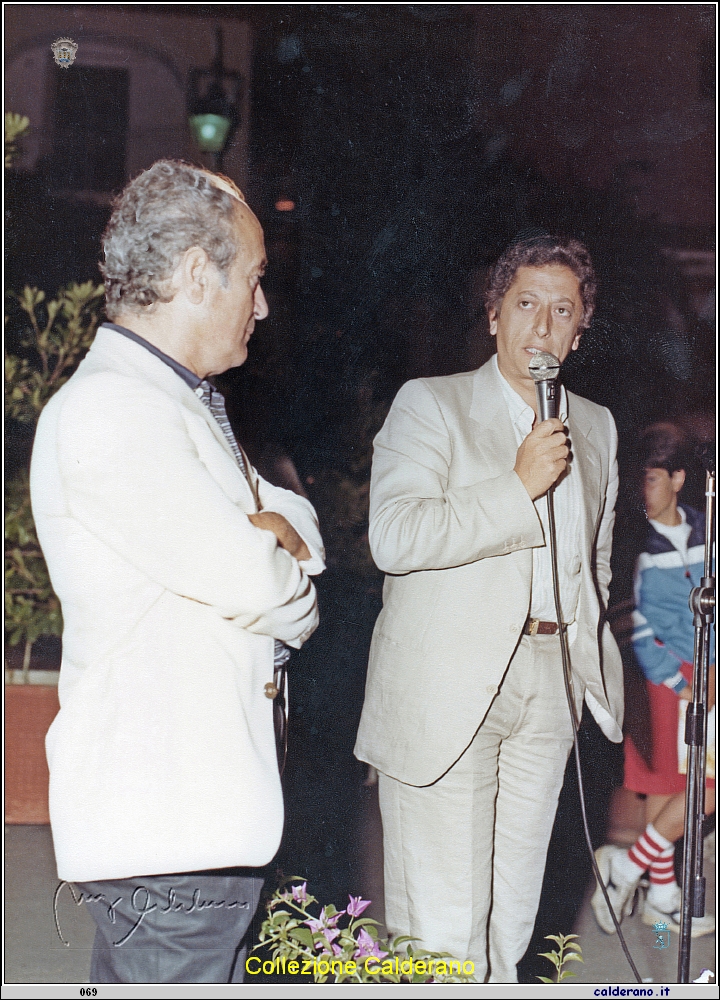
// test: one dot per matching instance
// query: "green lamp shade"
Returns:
(210, 132)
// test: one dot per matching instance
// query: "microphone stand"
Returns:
(702, 605)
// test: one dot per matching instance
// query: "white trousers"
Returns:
(465, 856)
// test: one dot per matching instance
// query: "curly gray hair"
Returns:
(163, 212)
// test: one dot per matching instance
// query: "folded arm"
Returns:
(300, 514)
(132, 476)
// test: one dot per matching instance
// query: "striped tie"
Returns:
(215, 402)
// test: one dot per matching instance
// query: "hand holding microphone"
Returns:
(542, 457)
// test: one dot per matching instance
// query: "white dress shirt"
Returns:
(567, 519)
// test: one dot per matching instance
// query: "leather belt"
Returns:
(533, 626)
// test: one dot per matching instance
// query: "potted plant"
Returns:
(51, 338)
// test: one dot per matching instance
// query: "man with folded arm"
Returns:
(184, 579)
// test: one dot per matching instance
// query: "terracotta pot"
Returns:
(29, 710)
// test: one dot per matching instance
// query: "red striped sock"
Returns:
(662, 870)
(651, 851)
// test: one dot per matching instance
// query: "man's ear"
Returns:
(576, 343)
(191, 274)
(492, 320)
(678, 480)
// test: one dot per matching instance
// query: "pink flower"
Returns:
(336, 950)
(299, 893)
(357, 905)
(367, 946)
(325, 924)
(330, 933)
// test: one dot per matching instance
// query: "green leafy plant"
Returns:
(53, 338)
(568, 950)
(58, 336)
(31, 607)
(342, 946)
(15, 128)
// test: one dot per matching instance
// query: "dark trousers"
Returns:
(183, 928)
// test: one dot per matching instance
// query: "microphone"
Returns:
(544, 369)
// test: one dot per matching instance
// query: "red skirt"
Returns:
(663, 776)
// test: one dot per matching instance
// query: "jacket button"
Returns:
(271, 690)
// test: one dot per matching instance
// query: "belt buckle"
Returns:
(534, 625)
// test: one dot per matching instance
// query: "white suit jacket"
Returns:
(162, 757)
(453, 528)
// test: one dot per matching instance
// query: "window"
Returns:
(90, 126)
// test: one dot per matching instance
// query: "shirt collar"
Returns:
(521, 414)
(185, 374)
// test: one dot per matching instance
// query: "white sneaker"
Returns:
(671, 915)
(621, 892)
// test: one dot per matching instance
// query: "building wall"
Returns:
(157, 50)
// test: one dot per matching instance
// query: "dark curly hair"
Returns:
(538, 249)
(163, 212)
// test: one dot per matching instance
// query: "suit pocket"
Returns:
(408, 605)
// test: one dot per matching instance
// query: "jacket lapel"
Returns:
(496, 441)
(495, 434)
(111, 350)
(496, 447)
(587, 467)
(496, 438)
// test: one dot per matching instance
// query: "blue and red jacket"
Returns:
(664, 635)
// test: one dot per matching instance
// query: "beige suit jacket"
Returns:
(453, 528)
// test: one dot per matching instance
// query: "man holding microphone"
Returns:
(465, 714)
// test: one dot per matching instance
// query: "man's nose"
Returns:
(543, 322)
(260, 302)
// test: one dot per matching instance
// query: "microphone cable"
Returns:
(567, 676)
